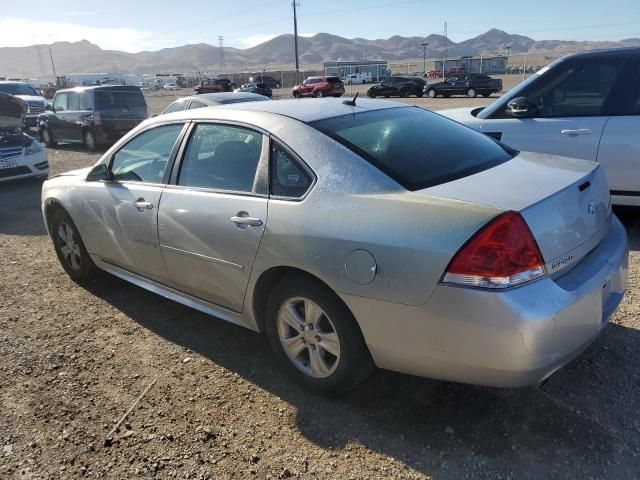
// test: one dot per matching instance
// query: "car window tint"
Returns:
(579, 89)
(196, 104)
(176, 106)
(73, 101)
(415, 147)
(108, 98)
(84, 100)
(60, 102)
(145, 158)
(221, 157)
(288, 177)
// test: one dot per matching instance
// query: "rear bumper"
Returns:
(512, 338)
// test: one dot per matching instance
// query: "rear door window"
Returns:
(415, 147)
(288, 177)
(73, 101)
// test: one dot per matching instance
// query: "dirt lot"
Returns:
(73, 359)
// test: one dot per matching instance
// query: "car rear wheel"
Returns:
(315, 337)
(431, 93)
(45, 136)
(69, 247)
(319, 94)
(486, 94)
(372, 94)
(471, 93)
(89, 140)
(404, 93)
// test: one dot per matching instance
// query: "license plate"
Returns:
(8, 164)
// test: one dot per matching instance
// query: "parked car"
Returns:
(398, 87)
(443, 254)
(215, 86)
(584, 106)
(319, 87)
(259, 88)
(171, 86)
(93, 115)
(469, 84)
(212, 100)
(357, 79)
(36, 103)
(21, 156)
(267, 80)
(433, 74)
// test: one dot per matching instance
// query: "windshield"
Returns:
(18, 89)
(119, 99)
(415, 147)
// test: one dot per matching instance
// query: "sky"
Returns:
(136, 25)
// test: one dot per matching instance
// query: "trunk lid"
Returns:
(12, 112)
(565, 202)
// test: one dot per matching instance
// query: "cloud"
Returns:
(20, 32)
(253, 40)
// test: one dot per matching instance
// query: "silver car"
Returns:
(355, 234)
(212, 100)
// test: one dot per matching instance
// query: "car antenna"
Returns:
(351, 102)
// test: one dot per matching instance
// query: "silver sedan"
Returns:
(355, 234)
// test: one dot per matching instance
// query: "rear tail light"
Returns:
(502, 254)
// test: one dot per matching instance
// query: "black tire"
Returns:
(431, 93)
(419, 94)
(296, 94)
(319, 94)
(486, 94)
(404, 93)
(47, 138)
(372, 94)
(84, 268)
(472, 93)
(355, 363)
(89, 139)
(278, 85)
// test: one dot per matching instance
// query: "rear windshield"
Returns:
(106, 99)
(334, 80)
(417, 148)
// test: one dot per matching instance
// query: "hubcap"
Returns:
(432, 93)
(69, 246)
(308, 337)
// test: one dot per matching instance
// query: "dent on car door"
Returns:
(571, 105)
(212, 217)
(120, 220)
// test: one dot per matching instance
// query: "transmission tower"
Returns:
(221, 50)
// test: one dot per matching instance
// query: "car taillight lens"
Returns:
(502, 254)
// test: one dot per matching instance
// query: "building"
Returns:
(379, 69)
(475, 64)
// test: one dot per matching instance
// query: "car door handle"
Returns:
(577, 131)
(253, 222)
(141, 205)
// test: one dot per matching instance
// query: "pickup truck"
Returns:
(215, 86)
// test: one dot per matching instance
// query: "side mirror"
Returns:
(521, 108)
(49, 107)
(99, 173)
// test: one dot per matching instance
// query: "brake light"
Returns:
(502, 254)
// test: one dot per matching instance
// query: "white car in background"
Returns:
(21, 156)
(584, 106)
(171, 86)
(36, 103)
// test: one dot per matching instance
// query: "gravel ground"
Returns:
(74, 358)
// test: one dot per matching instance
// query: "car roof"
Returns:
(124, 88)
(303, 110)
(4, 82)
(608, 52)
(223, 97)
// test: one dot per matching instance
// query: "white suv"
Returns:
(21, 156)
(585, 106)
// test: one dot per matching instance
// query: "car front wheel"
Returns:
(72, 254)
(315, 337)
(471, 93)
(319, 94)
(47, 138)
(431, 93)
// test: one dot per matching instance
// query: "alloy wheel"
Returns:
(69, 246)
(308, 337)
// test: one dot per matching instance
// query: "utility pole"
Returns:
(221, 51)
(53, 67)
(424, 57)
(446, 48)
(508, 47)
(295, 4)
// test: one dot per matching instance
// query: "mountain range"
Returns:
(277, 53)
